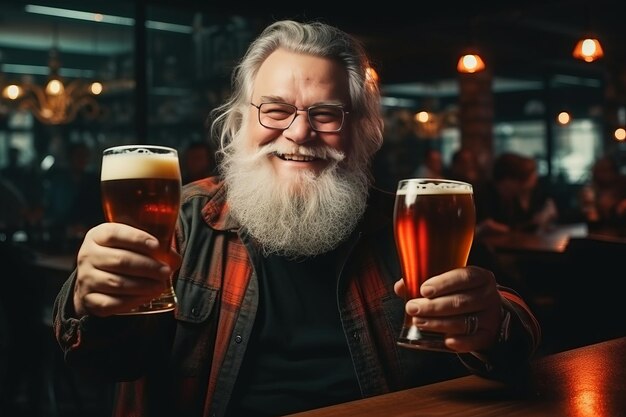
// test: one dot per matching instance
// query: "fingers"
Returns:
(121, 236)
(122, 262)
(118, 268)
(106, 304)
(481, 337)
(461, 291)
(457, 280)
(464, 304)
(399, 288)
(451, 325)
(462, 333)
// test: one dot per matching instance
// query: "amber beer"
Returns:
(141, 186)
(434, 224)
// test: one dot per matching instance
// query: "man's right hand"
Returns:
(120, 267)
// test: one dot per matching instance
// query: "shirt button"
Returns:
(238, 339)
(194, 312)
(356, 336)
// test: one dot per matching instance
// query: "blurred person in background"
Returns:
(514, 198)
(289, 289)
(432, 165)
(464, 166)
(602, 201)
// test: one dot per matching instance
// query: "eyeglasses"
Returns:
(323, 118)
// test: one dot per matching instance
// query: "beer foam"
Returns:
(139, 165)
(416, 186)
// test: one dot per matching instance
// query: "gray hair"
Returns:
(317, 39)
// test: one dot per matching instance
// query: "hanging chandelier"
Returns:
(57, 102)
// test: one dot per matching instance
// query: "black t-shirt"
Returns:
(298, 357)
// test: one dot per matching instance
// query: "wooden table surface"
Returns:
(553, 240)
(585, 382)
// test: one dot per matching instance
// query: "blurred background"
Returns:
(162, 65)
(77, 77)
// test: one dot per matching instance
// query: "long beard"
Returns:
(306, 216)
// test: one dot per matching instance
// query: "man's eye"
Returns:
(277, 112)
(326, 115)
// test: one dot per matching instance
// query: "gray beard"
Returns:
(307, 216)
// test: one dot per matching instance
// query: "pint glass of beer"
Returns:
(141, 186)
(434, 223)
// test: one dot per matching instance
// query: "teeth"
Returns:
(299, 158)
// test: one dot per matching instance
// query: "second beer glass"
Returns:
(141, 186)
(434, 222)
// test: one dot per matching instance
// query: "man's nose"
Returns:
(300, 130)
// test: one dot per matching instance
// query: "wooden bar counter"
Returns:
(585, 382)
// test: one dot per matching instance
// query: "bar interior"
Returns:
(470, 91)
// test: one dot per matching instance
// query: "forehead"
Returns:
(301, 79)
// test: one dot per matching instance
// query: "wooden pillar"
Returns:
(476, 115)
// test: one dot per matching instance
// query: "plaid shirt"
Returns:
(186, 363)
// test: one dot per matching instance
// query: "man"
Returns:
(288, 267)
(514, 198)
(432, 165)
(464, 166)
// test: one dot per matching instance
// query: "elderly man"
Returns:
(284, 265)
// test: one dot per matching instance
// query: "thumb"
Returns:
(399, 288)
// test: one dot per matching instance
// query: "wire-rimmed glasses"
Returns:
(323, 118)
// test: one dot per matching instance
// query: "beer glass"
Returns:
(434, 222)
(141, 186)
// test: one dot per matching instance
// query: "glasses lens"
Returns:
(276, 115)
(326, 118)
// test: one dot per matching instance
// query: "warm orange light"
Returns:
(470, 63)
(620, 134)
(56, 102)
(55, 87)
(12, 92)
(422, 117)
(588, 49)
(96, 88)
(563, 118)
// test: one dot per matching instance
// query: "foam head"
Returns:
(137, 162)
(433, 186)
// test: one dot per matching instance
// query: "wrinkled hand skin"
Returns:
(119, 267)
(446, 301)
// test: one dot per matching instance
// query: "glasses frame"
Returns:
(344, 112)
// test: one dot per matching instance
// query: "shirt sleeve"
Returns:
(115, 348)
(518, 340)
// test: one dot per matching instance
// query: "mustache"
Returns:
(320, 152)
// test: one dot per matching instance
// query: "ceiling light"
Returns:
(56, 102)
(588, 49)
(470, 63)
